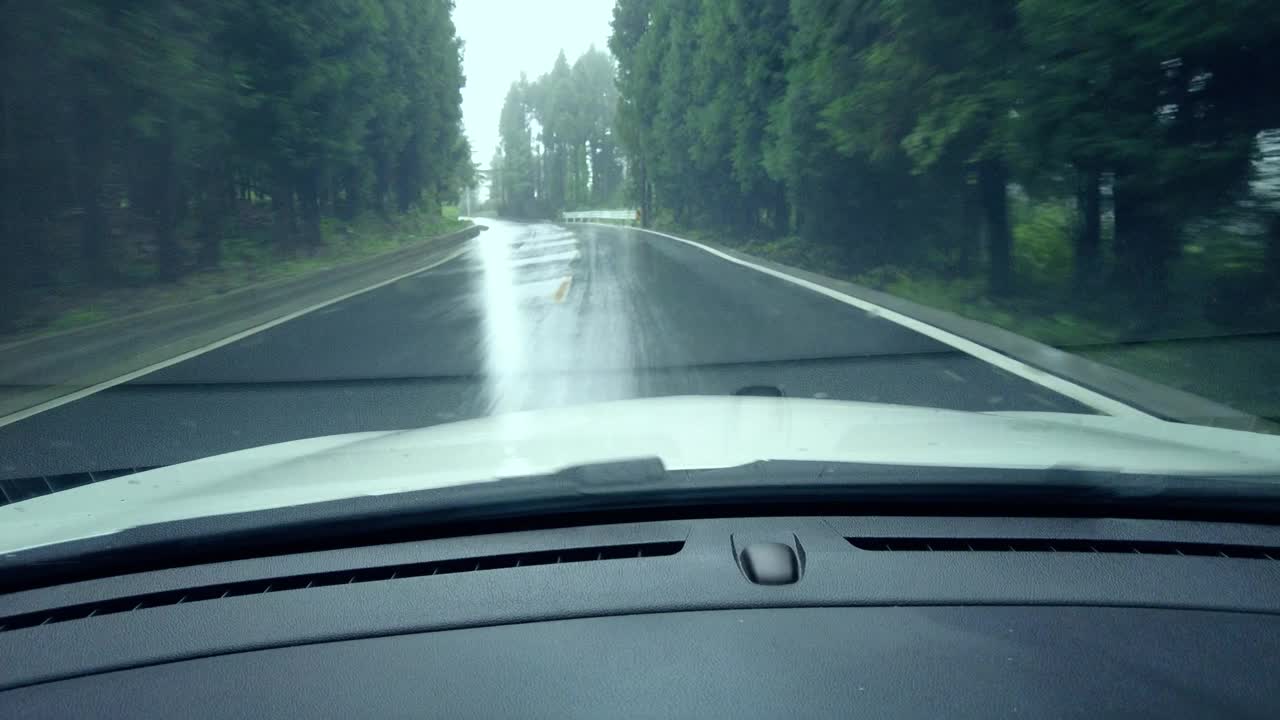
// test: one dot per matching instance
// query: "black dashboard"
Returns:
(884, 617)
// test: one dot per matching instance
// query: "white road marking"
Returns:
(529, 248)
(544, 287)
(543, 259)
(539, 289)
(953, 375)
(1082, 395)
(552, 233)
(86, 392)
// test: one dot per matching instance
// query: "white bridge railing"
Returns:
(628, 216)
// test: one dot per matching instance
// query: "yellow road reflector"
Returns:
(563, 290)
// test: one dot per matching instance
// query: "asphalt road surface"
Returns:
(533, 316)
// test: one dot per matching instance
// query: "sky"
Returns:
(503, 38)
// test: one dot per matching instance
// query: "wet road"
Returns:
(533, 316)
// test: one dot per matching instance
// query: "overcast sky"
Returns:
(506, 37)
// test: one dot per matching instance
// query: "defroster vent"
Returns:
(1039, 545)
(344, 577)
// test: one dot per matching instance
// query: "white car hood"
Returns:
(685, 432)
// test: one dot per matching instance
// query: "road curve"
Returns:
(532, 316)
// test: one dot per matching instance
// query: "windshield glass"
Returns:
(227, 224)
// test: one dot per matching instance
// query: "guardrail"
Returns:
(626, 216)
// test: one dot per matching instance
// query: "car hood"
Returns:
(684, 432)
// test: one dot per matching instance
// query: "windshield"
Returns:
(227, 224)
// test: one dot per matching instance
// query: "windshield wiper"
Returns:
(643, 490)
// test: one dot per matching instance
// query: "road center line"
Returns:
(1080, 394)
(127, 377)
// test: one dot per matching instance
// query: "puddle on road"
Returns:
(545, 344)
(500, 313)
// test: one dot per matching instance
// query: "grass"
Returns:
(1188, 351)
(1215, 364)
(77, 317)
(247, 259)
(1235, 371)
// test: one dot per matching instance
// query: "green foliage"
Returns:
(1042, 239)
(78, 317)
(140, 134)
(1059, 148)
(245, 261)
(558, 147)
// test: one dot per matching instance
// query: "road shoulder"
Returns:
(1107, 389)
(46, 372)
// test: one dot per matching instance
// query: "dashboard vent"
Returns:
(343, 577)
(1037, 545)
(15, 490)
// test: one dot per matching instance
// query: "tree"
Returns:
(597, 101)
(138, 134)
(939, 82)
(636, 94)
(517, 173)
(1163, 99)
(557, 138)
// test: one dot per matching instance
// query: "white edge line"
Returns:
(1080, 394)
(86, 392)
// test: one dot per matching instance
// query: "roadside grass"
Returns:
(1235, 371)
(1187, 351)
(77, 317)
(247, 259)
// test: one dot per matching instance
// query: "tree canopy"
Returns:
(139, 135)
(558, 148)
(892, 131)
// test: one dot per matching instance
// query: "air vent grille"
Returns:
(1037, 545)
(15, 490)
(344, 577)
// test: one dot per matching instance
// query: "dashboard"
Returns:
(718, 617)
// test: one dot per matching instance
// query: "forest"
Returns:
(958, 140)
(558, 149)
(143, 141)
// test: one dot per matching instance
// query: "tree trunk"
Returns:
(781, 212)
(595, 158)
(969, 241)
(1145, 246)
(282, 216)
(353, 205)
(1089, 234)
(209, 252)
(408, 187)
(992, 185)
(218, 202)
(646, 198)
(95, 231)
(580, 171)
(1272, 261)
(309, 198)
(328, 196)
(168, 255)
(12, 219)
(382, 183)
